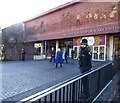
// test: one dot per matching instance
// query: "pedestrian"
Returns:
(52, 55)
(58, 59)
(23, 54)
(72, 53)
(65, 55)
(85, 66)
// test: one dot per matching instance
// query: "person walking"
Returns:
(58, 59)
(65, 56)
(52, 55)
(23, 54)
(72, 53)
(85, 65)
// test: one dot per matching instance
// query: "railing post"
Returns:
(73, 92)
(63, 94)
(98, 83)
(59, 95)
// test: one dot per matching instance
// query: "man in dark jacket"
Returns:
(23, 54)
(72, 54)
(52, 55)
(85, 65)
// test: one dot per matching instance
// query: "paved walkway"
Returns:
(21, 79)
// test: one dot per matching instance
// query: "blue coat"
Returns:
(59, 57)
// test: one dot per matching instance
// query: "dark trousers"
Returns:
(52, 58)
(57, 65)
(23, 57)
(72, 56)
(85, 83)
(65, 60)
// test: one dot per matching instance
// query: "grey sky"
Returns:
(13, 11)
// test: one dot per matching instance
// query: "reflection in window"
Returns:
(37, 47)
(101, 56)
(95, 52)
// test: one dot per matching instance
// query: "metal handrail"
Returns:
(54, 88)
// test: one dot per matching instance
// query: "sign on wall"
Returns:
(92, 40)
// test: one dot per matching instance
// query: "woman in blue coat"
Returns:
(58, 59)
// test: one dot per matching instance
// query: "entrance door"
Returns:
(76, 49)
(98, 53)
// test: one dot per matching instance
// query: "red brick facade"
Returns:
(73, 20)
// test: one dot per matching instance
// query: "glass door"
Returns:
(76, 49)
(95, 53)
(98, 53)
(101, 53)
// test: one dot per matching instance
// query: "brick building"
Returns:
(66, 25)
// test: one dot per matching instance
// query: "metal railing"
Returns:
(71, 89)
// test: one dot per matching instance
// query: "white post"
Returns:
(111, 48)
(45, 46)
(42, 47)
(110, 51)
(57, 45)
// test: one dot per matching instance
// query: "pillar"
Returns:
(57, 45)
(42, 47)
(110, 52)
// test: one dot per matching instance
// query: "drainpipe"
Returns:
(45, 46)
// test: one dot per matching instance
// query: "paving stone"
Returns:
(21, 79)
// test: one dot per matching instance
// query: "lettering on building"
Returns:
(101, 15)
(93, 31)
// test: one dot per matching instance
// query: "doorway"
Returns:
(76, 49)
(98, 53)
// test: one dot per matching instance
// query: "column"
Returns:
(42, 47)
(57, 45)
(110, 52)
(45, 47)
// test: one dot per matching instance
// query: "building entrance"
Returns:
(98, 53)
(76, 53)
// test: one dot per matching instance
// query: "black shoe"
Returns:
(56, 65)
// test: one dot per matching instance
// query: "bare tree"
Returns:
(13, 38)
(0, 36)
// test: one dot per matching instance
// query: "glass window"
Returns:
(101, 55)
(98, 53)
(95, 52)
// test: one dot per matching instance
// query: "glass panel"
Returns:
(37, 47)
(101, 55)
(95, 52)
